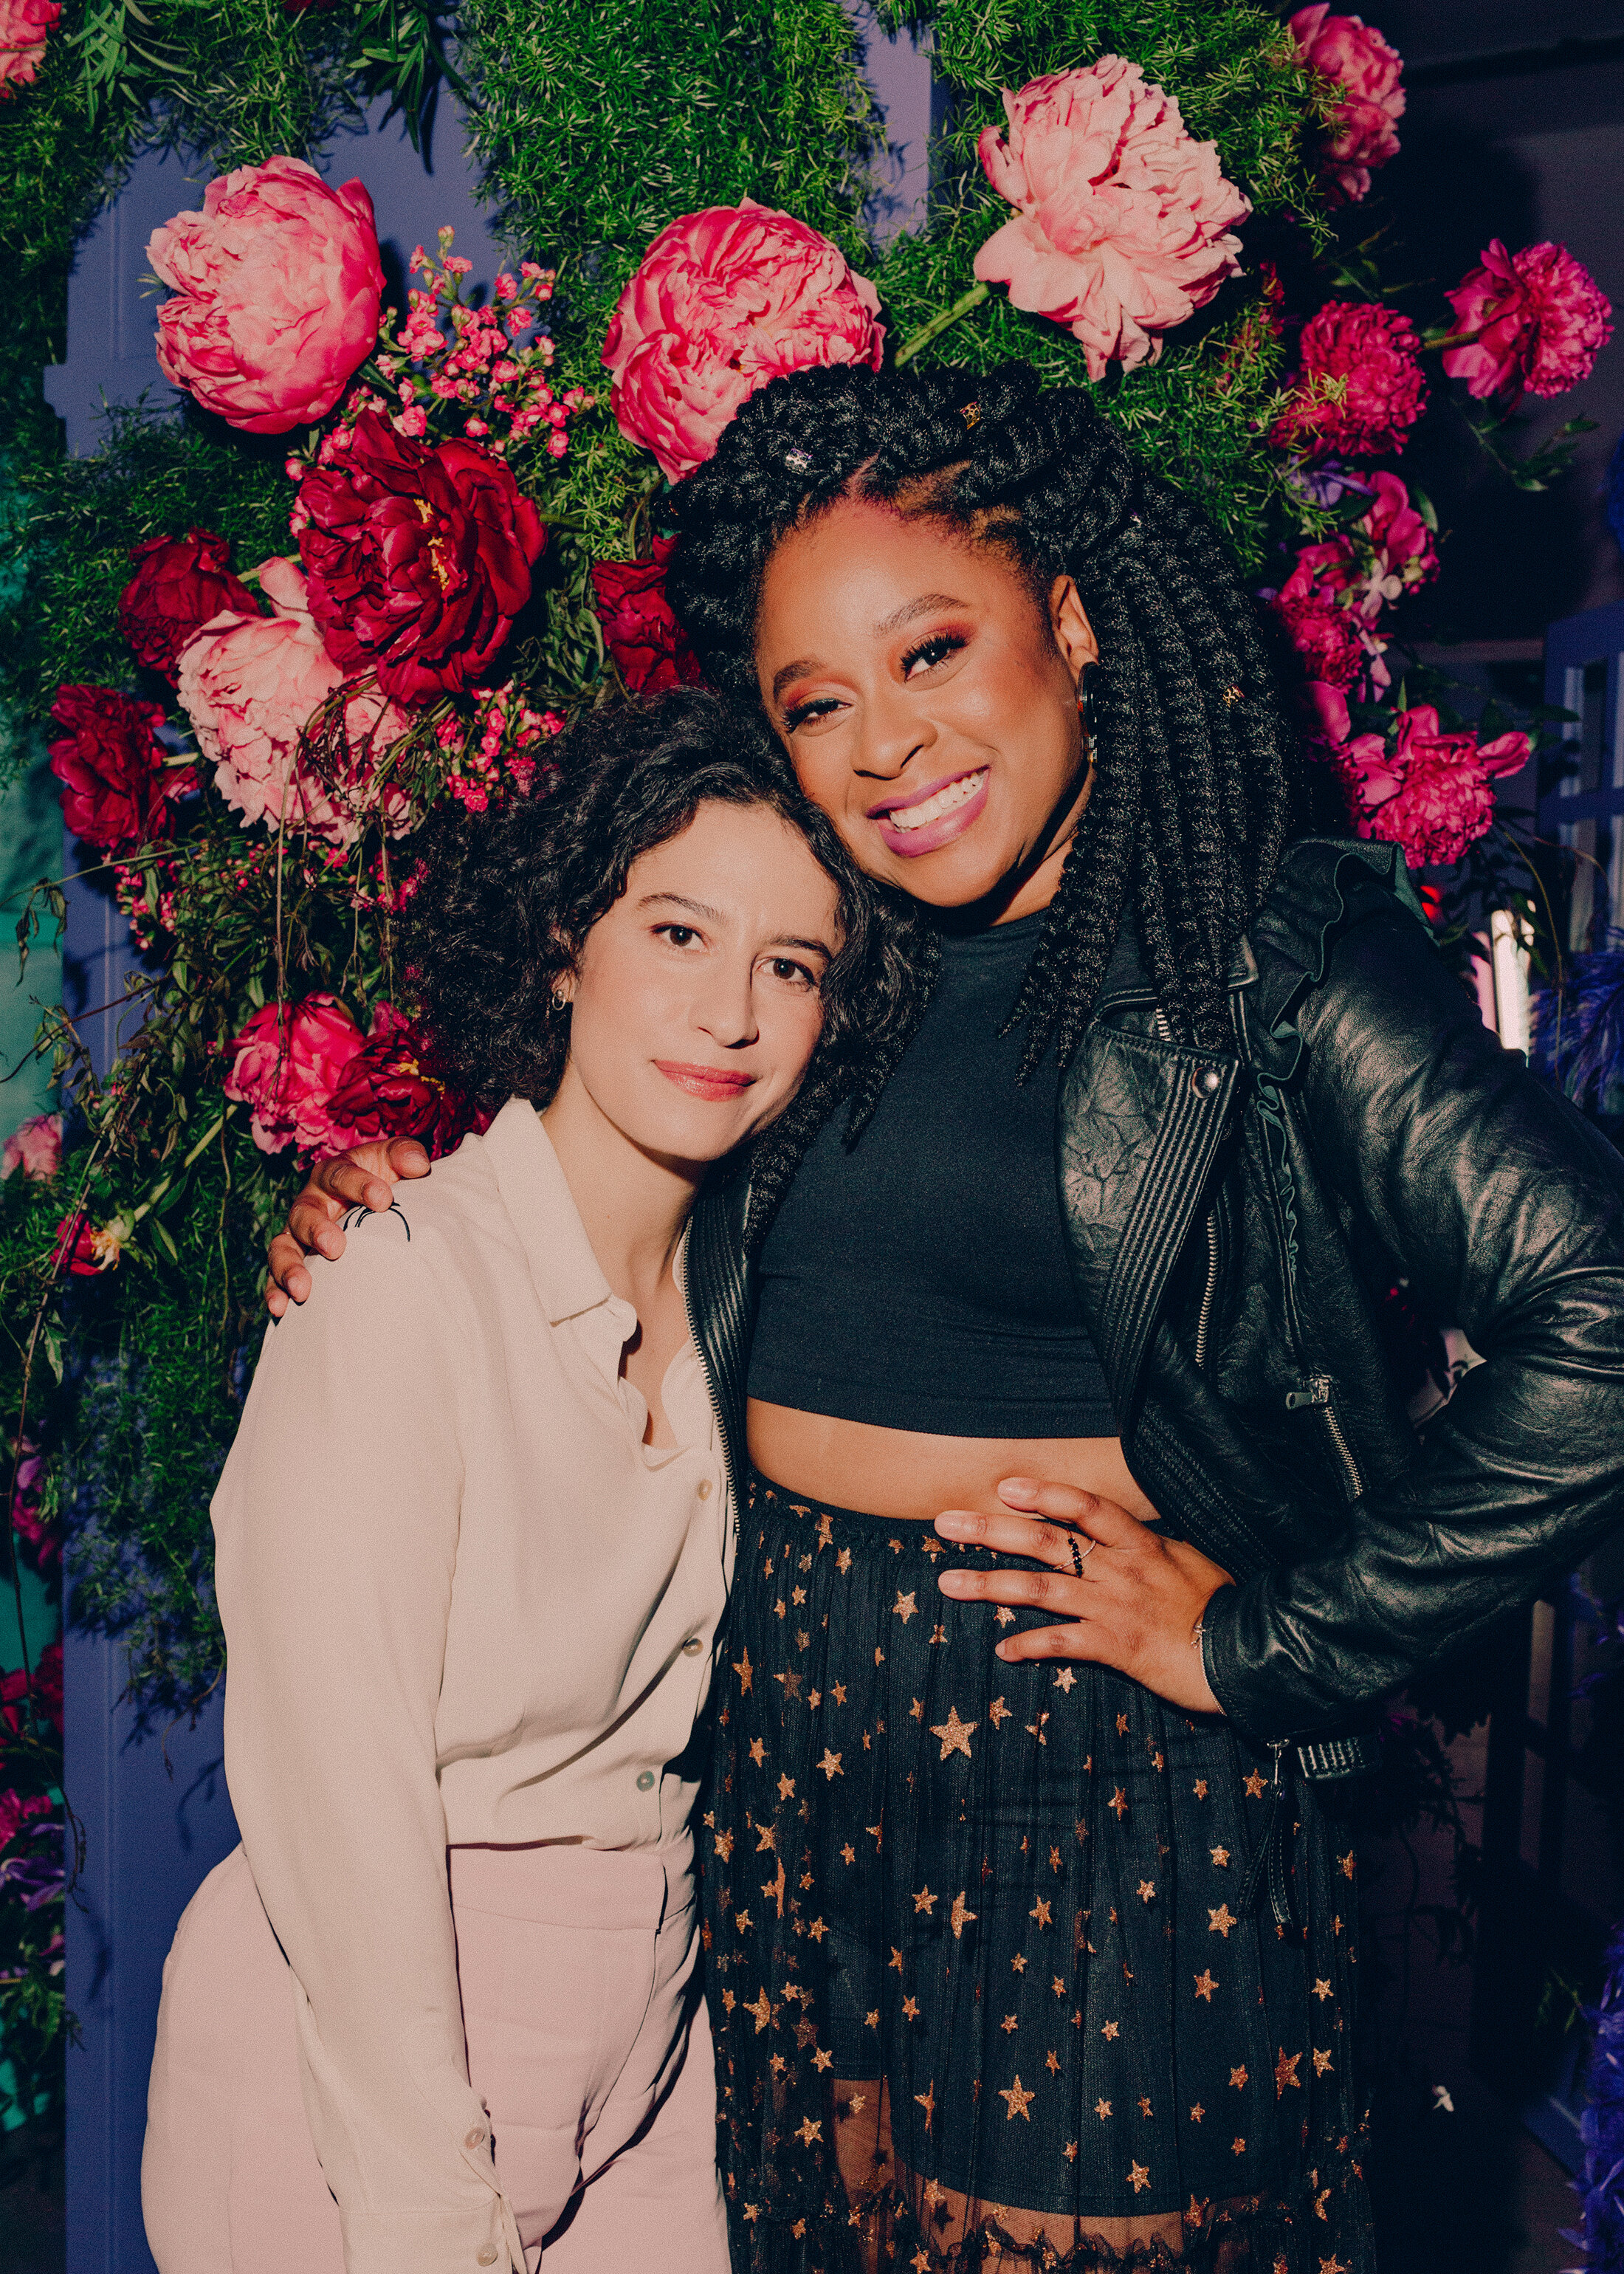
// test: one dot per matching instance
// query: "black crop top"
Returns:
(920, 1281)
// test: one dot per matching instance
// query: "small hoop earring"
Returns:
(559, 1003)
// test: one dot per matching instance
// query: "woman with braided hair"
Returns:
(1031, 1915)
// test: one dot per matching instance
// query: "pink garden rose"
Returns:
(1430, 792)
(288, 1061)
(35, 1146)
(24, 26)
(1124, 221)
(1353, 53)
(723, 301)
(251, 685)
(1359, 387)
(1540, 318)
(278, 287)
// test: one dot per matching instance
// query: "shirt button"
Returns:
(704, 1489)
(645, 1781)
(487, 2256)
(692, 1647)
(475, 2138)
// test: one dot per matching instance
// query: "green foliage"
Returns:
(153, 475)
(599, 126)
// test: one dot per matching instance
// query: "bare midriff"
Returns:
(907, 1476)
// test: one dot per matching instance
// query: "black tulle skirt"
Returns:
(985, 1988)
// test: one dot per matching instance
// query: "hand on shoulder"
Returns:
(365, 1177)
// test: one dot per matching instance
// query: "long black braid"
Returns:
(1198, 782)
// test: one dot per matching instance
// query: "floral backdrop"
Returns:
(394, 543)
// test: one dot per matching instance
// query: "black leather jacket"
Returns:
(1234, 1219)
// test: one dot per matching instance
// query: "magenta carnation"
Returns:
(1540, 318)
(24, 27)
(1359, 387)
(1124, 221)
(1355, 56)
(722, 302)
(1430, 792)
(278, 287)
(1325, 635)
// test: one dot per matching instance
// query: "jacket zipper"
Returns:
(1319, 1393)
(712, 1392)
(1204, 1321)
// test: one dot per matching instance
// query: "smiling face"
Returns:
(928, 699)
(695, 1003)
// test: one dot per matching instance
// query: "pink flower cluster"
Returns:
(24, 25)
(1332, 601)
(278, 287)
(722, 302)
(252, 685)
(314, 1081)
(1359, 387)
(1427, 791)
(498, 758)
(35, 1146)
(1355, 56)
(1538, 318)
(490, 367)
(1125, 221)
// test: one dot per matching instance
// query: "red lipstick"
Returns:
(716, 1083)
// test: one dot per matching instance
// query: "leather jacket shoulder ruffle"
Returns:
(1235, 1218)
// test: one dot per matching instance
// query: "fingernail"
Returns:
(954, 1526)
(951, 1583)
(1018, 1487)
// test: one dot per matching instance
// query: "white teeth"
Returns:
(958, 793)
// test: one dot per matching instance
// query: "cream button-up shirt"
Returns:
(463, 1603)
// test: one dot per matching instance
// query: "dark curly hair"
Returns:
(1199, 784)
(505, 899)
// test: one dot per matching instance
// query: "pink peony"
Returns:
(288, 1063)
(1359, 387)
(1124, 220)
(24, 25)
(35, 1148)
(1540, 318)
(723, 301)
(251, 685)
(1353, 53)
(1430, 792)
(278, 289)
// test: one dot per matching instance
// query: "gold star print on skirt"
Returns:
(985, 1985)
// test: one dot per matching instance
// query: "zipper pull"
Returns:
(1272, 1856)
(1317, 1392)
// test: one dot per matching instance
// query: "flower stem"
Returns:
(938, 324)
(1448, 339)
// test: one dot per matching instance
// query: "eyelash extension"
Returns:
(943, 644)
(799, 712)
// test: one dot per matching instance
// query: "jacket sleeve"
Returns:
(336, 1522)
(1504, 1210)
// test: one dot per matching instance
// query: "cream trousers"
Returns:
(586, 2039)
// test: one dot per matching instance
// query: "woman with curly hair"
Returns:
(1031, 1910)
(441, 2010)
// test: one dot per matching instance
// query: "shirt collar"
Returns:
(536, 1194)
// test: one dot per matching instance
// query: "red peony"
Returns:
(1359, 387)
(277, 291)
(45, 1689)
(179, 583)
(1325, 635)
(640, 631)
(387, 1092)
(722, 302)
(24, 27)
(1430, 792)
(1353, 54)
(115, 784)
(1125, 222)
(1540, 318)
(288, 1061)
(419, 559)
(82, 1248)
